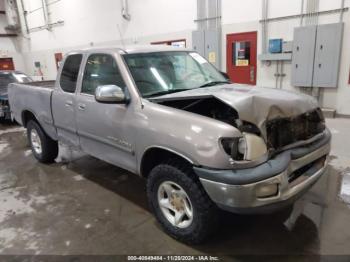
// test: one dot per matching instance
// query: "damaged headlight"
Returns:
(249, 147)
(234, 147)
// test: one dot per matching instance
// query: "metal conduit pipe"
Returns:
(263, 27)
(282, 74)
(46, 14)
(218, 13)
(312, 11)
(342, 10)
(302, 12)
(307, 12)
(317, 5)
(23, 16)
(125, 10)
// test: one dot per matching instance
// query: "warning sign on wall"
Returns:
(240, 62)
(212, 57)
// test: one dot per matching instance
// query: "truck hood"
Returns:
(253, 104)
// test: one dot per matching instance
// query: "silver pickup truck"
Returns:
(168, 115)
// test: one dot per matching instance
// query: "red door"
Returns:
(241, 57)
(58, 59)
(6, 64)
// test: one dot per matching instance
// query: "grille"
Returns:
(308, 170)
(282, 132)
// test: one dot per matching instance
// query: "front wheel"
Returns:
(43, 147)
(180, 203)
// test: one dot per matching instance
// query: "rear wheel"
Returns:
(43, 147)
(180, 203)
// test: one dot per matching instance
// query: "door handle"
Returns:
(81, 107)
(69, 103)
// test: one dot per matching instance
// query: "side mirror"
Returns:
(110, 94)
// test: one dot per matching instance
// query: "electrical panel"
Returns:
(207, 44)
(287, 47)
(198, 41)
(327, 55)
(275, 46)
(316, 55)
(303, 55)
(212, 47)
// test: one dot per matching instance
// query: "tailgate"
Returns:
(29, 99)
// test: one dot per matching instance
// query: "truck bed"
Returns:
(43, 84)
(35, 97)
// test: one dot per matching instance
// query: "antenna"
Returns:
(121, 36)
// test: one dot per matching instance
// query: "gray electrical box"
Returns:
(207, 43)
(316, 55)
(198, 41)
(327, 55)
(212, 47)
(303, 56)
(287, 47)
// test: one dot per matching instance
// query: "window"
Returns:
(161, 73)
(100, 70)
(241, 53)
(70, 72)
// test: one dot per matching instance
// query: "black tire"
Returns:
(205, 212)
(49, 147)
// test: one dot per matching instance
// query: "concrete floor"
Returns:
(86, 206)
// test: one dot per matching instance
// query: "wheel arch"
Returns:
(26, 116)
(156, 155)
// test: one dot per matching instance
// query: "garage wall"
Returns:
(246, 18)
(95, 23)
(91, 21)
(99, 23)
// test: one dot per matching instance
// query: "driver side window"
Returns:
(100, 70)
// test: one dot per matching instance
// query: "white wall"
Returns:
(91, 22)
(236, 11)
(97, 21)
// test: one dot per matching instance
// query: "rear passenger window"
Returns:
(70, 72)
(100, 70)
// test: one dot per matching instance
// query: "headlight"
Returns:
(242, 146)
(249, 147)
(231, 147)
(256, 147)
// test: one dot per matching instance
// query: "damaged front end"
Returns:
(280, 152)
(250, 146)
(256, 145)
(286, 132)
(211, 107)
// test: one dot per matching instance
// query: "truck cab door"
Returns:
(105, 130)
(64, 100)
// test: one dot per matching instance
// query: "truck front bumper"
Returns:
(286, 178)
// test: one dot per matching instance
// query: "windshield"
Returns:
(168, 72)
